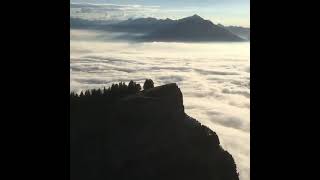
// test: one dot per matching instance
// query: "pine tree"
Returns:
(148, 84)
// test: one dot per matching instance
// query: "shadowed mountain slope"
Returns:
(123, 133)
(242, 32)
(194, 29)
(189, 29)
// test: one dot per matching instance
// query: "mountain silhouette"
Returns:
(124, 133)
(189, 29)
(242, 32)
(140, 25)
(193, 28)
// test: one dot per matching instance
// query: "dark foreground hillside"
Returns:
(122, 133)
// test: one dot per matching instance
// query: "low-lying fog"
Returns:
(214, 79)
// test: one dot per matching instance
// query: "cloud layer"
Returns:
(110, 11)
(214, 79)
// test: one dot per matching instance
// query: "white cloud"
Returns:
(214, 79)
(110, 11)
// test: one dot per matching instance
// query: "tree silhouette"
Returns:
(138, 87)
(133, 87)
(116, 90)
(81, 94)
(148, 84)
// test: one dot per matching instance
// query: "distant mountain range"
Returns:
(189, 29)
(242, 32)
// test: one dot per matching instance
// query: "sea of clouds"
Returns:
(213, 77)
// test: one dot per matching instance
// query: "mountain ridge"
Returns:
(193, 28)
(243, 32)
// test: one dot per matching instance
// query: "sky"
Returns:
(226, 12)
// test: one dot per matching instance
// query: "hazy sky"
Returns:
(227, 12)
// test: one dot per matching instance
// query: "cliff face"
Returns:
(144, 136)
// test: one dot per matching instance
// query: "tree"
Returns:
(138, 87)
(81, 94)
(148, 84)
(87, 93)
(131, 87)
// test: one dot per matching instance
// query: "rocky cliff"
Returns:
(145, 135)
